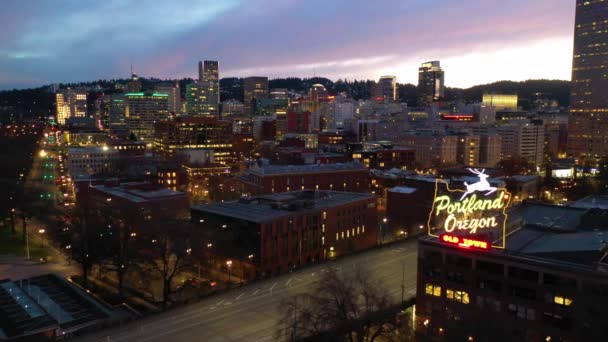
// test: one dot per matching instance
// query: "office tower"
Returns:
(195, 133)
(71, 103)
(523, 140)
(254, 88)
(209, 81)
(134, 84)
(430, 83)
(588, 123)
(467, 150)
(174, 96)
(193, 99)
(143, 110)
(500, 101)
(387, 88)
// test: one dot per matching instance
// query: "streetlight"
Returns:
(229, 265)
(42, 153)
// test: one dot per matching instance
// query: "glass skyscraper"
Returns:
(588, 122)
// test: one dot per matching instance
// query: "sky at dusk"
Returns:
(477, 41)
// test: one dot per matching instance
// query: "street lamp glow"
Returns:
(42, 153)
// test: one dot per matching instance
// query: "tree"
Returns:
(341, 308)
(166, 249)
(89, 241)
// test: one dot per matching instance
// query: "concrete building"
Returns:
(70, 103)
(273, 234)
(523, 140)
(387, 88)
(231, 108)
(90, 160)
(195, 133)
(548, 284)
(489, 150)
(432, 149)
(431, 85)
(254, 88)
(587, 126)
(468, 150)
(174, 99)
(262, 178)
(143, 110)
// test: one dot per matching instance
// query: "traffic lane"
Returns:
(262, 298)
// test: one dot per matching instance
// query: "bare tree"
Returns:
(166, 249)
(88, 242)
(340, 308)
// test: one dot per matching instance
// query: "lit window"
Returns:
(325, 215)
(337, 236)
(562, 300)
(432, 290)
(323, 228)
(347, 233)
(457, 296)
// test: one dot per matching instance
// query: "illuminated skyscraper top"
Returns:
(209, 87)
(430, 83)
(588, 122)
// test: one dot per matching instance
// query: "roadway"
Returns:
(250, 313)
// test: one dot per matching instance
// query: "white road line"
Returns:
(256, 292)
(272, 287)
(239, 296)
(289, 281)
(228, 303)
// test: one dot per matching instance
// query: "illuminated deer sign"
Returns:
(482, 185)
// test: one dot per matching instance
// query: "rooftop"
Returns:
(403, 190)
(565, 237)
(270, 207)
(138, 192)
(594, 201)
(310, 168)
(45, 303)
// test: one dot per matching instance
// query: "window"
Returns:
(432, 290)
(325, 215)
(457, 296)
(562, 300)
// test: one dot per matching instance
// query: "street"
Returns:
(250, 313)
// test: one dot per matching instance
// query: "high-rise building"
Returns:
(71, 103)
(209, 81)
(195, 133)
(174, 96)
(254, 88)
(134, 84)
(387, 88)
(143, 110)
(588, 123)
(523, 140)
(431, 85)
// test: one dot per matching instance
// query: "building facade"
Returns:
(70, 103)
(387, 88)
(195, 133)
(143, 110)
(588, 122)
(254, 88)
(261, 179)
(431, 85)
(273, 234)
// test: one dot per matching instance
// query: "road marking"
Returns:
(312, 274)
(239, 296)
(272, 287)
(289, 281)
(264, 339)
(220, 302)
(228, 303)
(412, 291)
(256, 292)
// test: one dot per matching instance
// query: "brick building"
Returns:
(275, 233)
(262, 178)
(548, 284)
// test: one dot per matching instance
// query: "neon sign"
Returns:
(477, 214)
(464, 242)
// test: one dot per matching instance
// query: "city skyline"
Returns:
(476, 43)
